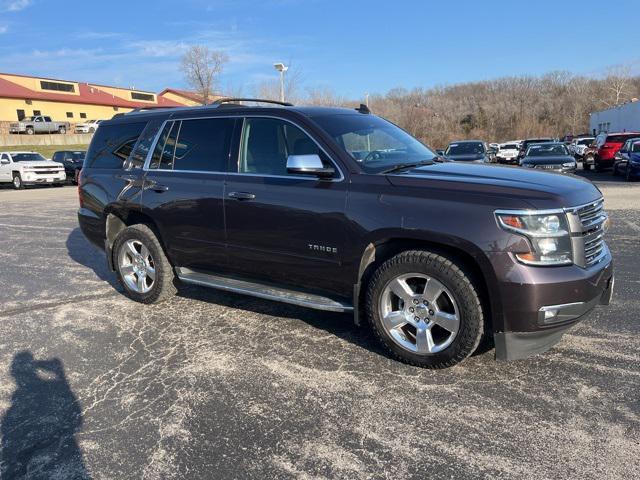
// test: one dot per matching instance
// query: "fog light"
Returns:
(551, 313)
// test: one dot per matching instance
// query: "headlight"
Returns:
(569, 164)
(548, 235)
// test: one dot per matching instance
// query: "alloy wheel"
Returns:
(136, 266)
(419, 313)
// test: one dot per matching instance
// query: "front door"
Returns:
(184, 190)
(285, 228)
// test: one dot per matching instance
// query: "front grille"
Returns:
(592, 218)
(549, 167)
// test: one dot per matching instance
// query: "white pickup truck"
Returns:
(38, 124)
(30, 168)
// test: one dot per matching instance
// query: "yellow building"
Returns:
(74, 102)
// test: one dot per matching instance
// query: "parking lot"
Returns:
(216, 385)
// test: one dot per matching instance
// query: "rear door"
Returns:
(184, 189)
(286, 228)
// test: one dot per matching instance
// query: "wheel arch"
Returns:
(467, 255)
(116, 220)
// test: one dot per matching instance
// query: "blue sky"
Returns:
(350, 46)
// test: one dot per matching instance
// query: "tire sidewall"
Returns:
(148, 239)
(20, 184)
(457, 283)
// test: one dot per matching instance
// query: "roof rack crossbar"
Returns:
(222, 101)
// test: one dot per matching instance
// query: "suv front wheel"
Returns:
(425, 310)
(142, 267)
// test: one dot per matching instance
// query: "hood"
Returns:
(470, 157)
(502, 186)
(40, 163)
(548, 160)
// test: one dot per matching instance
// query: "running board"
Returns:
(260, 290)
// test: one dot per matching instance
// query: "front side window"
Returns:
(376, 144)
(268, 142)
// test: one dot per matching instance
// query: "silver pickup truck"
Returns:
(38, 124)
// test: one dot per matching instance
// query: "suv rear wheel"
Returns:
(142, 267)
(425, 310)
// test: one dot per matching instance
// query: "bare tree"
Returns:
(202, 67)
(617, 83)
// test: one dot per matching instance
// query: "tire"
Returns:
(627, 174)
(459, 296)
(62, 130)
(76, 175)
(17, 182)
(150, 290)
(29, 131)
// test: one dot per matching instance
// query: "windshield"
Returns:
(585, 141)
(27, 119)
(547, 151)
(27, 157)
(511, 146)
(376, 144)
(465, 148)
(77, 156)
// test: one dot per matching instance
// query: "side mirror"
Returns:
(308, 165)
(440, 153)
(4, 161)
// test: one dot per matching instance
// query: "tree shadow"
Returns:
(38, 430)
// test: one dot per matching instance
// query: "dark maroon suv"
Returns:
(340, 210)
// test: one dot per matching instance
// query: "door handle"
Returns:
(241, 195)
(156, 187)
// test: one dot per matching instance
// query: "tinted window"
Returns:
(267, 142)
(465, 148)
(55, 86)
(203, 145)
(617, 138)
(139, 154)
(142, 96)
(112, 145)
(163, 154)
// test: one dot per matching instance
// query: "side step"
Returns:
(260, 290)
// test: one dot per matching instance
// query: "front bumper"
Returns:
(540, 303)
(33, 179)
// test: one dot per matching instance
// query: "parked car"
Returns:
(632, 170)
(72, 161)
(29, 168)
(284, 203)
(508, 153)
(551, 157)
(621, 157)
(87, 127)
(524, 146)
(38, 124)
(608, 145)
(467, 151)
(579, 145)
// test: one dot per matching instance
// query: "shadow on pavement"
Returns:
(38, 430)
(84, 253)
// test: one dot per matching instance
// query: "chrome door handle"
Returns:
(159, 188)
(241, 195)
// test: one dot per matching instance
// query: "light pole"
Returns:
(281, 67)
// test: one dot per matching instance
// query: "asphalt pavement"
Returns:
(216, 385)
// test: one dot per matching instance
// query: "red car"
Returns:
(608, 148)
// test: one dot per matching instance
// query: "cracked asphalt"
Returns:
(215, 385)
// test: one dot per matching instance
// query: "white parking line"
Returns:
(36, 227)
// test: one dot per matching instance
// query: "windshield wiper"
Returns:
(404, 166)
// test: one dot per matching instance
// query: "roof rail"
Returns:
(144, 109)
(222, 101)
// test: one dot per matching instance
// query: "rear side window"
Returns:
(112, 145)
(139, 154)
(195, 145)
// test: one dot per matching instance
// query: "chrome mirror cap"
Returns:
(308, 165)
